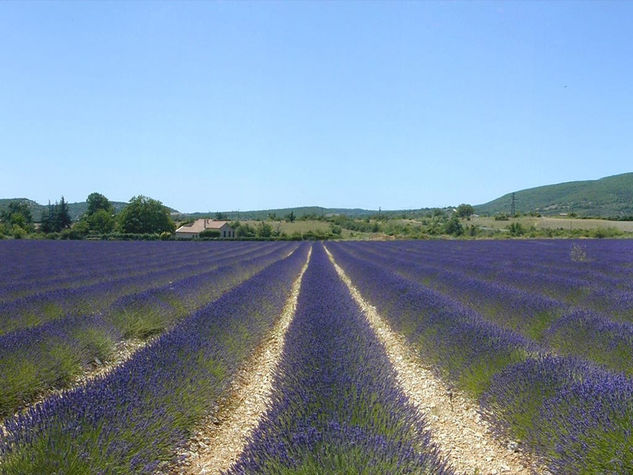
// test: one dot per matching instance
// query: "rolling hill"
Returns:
(607, 197)
(611, 196)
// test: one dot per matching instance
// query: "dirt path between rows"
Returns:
(463, 438)
(225, 432)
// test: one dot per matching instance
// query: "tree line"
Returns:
(142, 215)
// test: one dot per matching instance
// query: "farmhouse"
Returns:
(193, 230)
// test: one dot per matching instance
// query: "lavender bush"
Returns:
(131, 419)
(336, 408)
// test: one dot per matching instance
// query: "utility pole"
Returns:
(513, 209)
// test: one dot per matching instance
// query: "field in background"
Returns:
(304, 226)
(546, 222)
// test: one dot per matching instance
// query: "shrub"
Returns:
(208, 233)
(516, 229)
(18, 232)
(71, 234)
(454, 227)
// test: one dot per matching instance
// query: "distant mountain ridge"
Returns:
(610, 196)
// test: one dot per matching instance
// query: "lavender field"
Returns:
(537, 334)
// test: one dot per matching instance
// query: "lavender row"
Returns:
(598, 274)
(39, 264)
(55, 304)
(557, 326)
(578, 417)
(437, 324)
(603, 262)
(526, 312)
(551, 267)
(102, 265)
(101, 271)
(52, 354)
(131, 419)
(573, 413)
(336, 407)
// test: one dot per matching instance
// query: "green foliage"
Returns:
(97, 202)
(601, 233)
(290, 217)
(62, 216)
(17, 213)
(165, 236)
(18, 232)
(141, 321)
(210, 233)
(465, 210)
(82, 227)
(479, 372)
(264, 230)
(145, 215)
(99, 217)
(71, 234)
(454, 227)
(19, 381)
(101, 221)
(56, 217)
(243, 230)
(516, 229)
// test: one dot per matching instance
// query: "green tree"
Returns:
(243, 230)
(101, 221)
(454, 227)
(99, 217)
(96, 202)
(290, 217)
(264, 230)
(62, 216)
(48, 219)
(56, 217)
(145, 215)
(17, 213)
(465, 210)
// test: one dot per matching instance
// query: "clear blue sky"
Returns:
(225, 106)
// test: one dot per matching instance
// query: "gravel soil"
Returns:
(462, 436)
(225, 432)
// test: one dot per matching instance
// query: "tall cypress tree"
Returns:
(48, 219)
(63, 220)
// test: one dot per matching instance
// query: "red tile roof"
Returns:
(200, 225)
